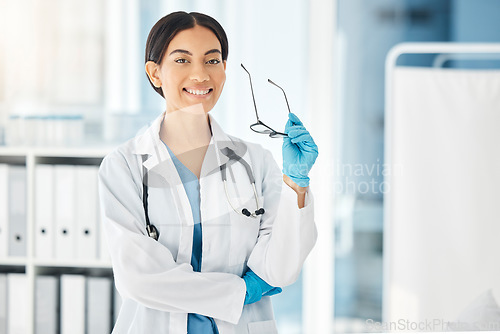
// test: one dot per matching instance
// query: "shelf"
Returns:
(16, 265)
(33, 158)
(13, 159)
(14, 261)
(94, 268)
(23, 262)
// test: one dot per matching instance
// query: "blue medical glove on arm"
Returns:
(257, 287)
(299, 151)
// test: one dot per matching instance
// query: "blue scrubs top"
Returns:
(197, 323)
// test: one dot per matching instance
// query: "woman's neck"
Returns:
(186, 129)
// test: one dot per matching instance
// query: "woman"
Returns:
(212, 268)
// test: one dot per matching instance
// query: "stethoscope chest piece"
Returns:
(247, 213)
(152, 231)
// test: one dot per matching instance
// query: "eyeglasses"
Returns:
(260, 127)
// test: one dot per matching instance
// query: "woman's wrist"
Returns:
(299, 190)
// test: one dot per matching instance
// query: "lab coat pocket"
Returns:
(262, 327)
(244, 230)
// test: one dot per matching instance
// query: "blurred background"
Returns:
(78, 67)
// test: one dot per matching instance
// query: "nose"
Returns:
(199, 73)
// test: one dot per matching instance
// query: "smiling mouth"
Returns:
(198, 92)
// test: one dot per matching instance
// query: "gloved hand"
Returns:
(257, 287)
(299, 151)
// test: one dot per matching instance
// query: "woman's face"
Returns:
(192, 70)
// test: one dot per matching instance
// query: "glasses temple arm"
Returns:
(251, 88)
(286, 100)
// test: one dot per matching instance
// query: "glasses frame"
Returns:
(268, 131)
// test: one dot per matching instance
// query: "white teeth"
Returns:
(198, 92)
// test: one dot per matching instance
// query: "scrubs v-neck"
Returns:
(197, 323)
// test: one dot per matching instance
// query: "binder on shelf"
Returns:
(99, 307)
(17, 211)
(44, 192)
(44, 212)
(3, 303)
(72, 304)
(86, 212)
(17, 303)
(46, 304)
(65, 191)
(4, 210)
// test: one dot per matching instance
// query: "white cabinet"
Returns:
(60, 193)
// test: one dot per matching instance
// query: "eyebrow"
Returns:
(190, 54)
(213, 51)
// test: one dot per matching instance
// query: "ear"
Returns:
(152, 70)
(224, 62)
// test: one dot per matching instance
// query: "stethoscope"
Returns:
(231, 155)
(153, 232)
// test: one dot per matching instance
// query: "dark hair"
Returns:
(168, 26)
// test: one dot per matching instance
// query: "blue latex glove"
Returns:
(257, 287)
(299, 151)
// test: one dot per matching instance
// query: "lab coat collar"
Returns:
(149, 143)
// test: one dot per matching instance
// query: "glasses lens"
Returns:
(277, 135)
(261, 128)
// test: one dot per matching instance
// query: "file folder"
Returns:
(99, 307)
(3, 303)
(17, 211)
(17, 303)
(4, 210)
(65, 191)
(44, 211)
(46, 304)
(72, 304)
(86, 212)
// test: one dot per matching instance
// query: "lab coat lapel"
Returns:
(162, 173)
(158, 158)
(211, 185)
(215, 157)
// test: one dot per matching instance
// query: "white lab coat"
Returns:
(155, 278)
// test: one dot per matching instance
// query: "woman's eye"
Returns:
(181, 61)
(213, 61)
